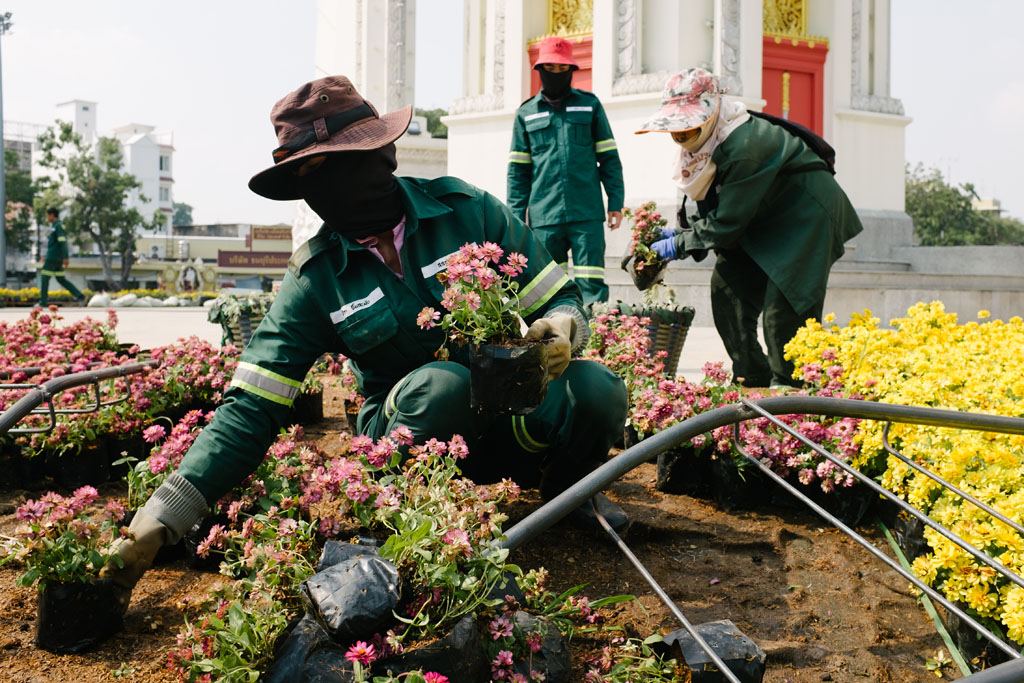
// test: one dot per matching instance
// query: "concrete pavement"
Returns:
(149, 327)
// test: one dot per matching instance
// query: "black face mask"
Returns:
(555, 85)
(355, 193)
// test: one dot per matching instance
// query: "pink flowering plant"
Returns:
(480, 296)
(165, 455)
(646, 230)
(63, 539)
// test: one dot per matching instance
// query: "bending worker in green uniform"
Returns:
(56, 260)
(562, 151)
(769, 207)
(357, 287)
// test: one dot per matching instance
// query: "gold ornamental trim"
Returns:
(786, 21)
(570, 17)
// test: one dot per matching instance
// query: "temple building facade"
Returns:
(822, 63)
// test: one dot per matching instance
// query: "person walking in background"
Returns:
(56, 260)
(562, 152)
(769, 207)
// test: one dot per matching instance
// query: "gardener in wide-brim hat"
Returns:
(356, 288)
(769, 207)
(563, 151)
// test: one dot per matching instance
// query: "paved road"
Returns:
(151, 327)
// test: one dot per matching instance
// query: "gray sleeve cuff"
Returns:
(177, 505)
(582, 333)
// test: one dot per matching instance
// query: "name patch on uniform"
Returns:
(538, 115)
(432, 269)
(355, 306)
(579, 108)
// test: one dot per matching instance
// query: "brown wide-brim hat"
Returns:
(324, 116)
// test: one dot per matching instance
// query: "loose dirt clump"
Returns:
(819, 605)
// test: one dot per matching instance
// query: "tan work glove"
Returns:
(147, 536)
(560, 329)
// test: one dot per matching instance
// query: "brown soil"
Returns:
(818, 604)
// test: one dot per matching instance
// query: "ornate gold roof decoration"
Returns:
(787, 19)
(570, 17)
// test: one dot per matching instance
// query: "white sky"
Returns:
(210, 72)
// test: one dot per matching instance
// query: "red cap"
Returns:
(555, 50)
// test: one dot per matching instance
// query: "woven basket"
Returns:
(241, 329)
(668, 337)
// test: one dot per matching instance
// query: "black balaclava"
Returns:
(355, 193)
(554, 86)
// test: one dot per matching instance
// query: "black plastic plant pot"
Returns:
(308, 408)
(508, 379)
(72, 617)
(644, 278)
(89, 467)
(682, 470)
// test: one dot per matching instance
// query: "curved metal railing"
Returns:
(38, 394)
(550, 513)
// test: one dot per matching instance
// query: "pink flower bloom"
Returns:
(491, 251)
(500, 628)
(402, 435)
(433, 677)
(457, 447)
(428, 318)
(153, 434)
(361, 652)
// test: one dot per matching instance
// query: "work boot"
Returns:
(584, 518)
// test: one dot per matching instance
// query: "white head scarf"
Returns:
(693, 170)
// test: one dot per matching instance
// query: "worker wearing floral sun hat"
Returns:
(769, 207)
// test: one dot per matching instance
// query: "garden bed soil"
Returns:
(819, 605)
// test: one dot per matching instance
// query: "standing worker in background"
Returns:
(769, 207)
(562, 151)
(56, 260)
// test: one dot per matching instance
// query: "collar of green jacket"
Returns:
(421, 199)
(574, 93)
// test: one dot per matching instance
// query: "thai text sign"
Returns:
(253, 259)
(272, 233)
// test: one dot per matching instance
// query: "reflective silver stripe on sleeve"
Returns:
(520, 158)
(542, 288)
(266, 384)
(605, 145)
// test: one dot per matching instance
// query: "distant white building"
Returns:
(147, 154)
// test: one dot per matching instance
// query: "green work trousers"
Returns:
(565, 438)
(585, 239)
(44, 285)
(740, 293)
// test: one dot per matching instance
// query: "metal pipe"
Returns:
(889, 495)
(45, 391)
(708, 650)
(1007, 672)
(957, 490)
(558, 507)
(932, 593)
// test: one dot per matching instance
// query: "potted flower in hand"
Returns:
(642, 263)
(507, 372)
(62, 546)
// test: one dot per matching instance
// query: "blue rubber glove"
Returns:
(668, 232)
(665, 249)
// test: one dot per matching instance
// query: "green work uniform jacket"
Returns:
(560, 158)
(775, 198)
(337, 296)
(56, 248)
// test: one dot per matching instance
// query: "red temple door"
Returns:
(582, 52)
(793, 80)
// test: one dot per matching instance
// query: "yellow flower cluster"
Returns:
(929, 359)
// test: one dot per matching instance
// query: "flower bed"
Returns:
(929, 359)
(29, 296)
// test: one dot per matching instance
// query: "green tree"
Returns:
(942, 214)
(182, 214)
(434, 125)
(20, 194)
(96, 192)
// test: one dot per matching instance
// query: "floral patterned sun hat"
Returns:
(690, 98)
